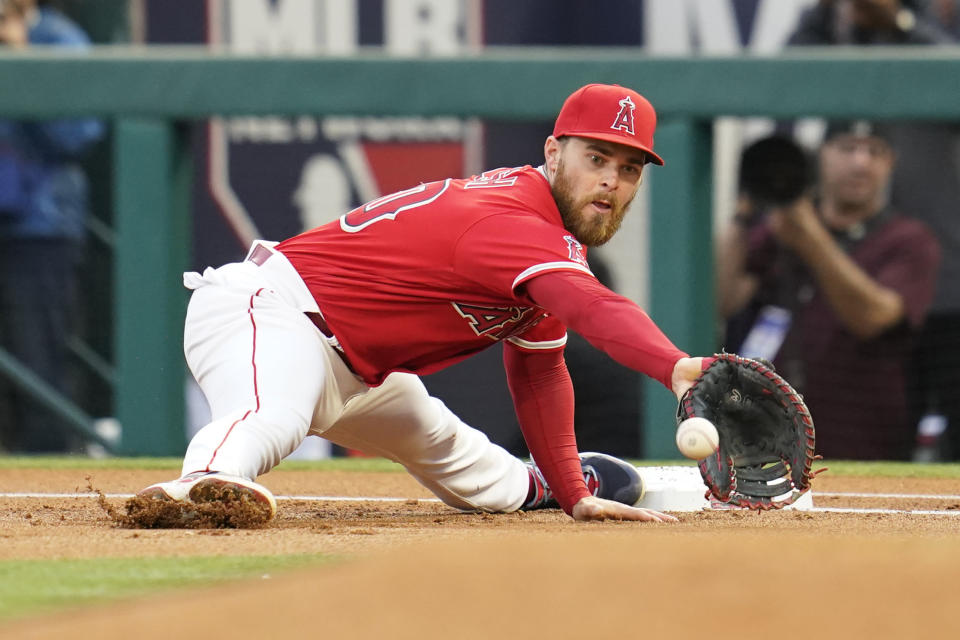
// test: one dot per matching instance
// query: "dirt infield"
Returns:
(416, 569)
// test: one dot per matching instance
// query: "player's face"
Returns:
(855, 172)
(593, 184)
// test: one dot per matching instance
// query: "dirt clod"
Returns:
(225, 513)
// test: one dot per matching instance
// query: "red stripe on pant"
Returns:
(256, 390)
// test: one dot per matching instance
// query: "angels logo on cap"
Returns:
(625, 117)
(590, 110)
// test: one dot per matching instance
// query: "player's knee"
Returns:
(274, 419)
(411, 407)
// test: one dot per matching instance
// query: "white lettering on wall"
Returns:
(422, 27)
(709, 27)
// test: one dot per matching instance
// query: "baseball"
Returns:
(697, 438)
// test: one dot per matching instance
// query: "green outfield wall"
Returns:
(146, 92)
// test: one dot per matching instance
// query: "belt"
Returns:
(323, 328)
(320, 323)
(259, 255)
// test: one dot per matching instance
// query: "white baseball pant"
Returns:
(272, 378)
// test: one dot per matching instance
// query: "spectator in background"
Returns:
(925, 184)
(946, 13)
(868, 22)
(43, 206)
(831, 291)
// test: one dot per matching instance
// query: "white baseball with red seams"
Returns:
(697, 438)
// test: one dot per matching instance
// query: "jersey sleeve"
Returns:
(547, 335)
(502, 252)
(609, 322)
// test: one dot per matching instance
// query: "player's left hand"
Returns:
(685, 372)
(593, 508)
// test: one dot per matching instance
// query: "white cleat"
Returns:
(213, 487)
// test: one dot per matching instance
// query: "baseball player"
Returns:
(325, 333)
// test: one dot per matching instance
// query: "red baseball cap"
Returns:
(612, 113)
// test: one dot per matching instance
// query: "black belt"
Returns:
(323, 328)
(320, 323)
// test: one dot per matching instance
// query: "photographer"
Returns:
(831, 288)
(927, 187)
(43, 208)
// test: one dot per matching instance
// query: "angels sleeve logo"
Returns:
(575, 251)
(624, 119)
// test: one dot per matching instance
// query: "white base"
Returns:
(682, 489)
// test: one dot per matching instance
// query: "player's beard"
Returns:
(591, 231)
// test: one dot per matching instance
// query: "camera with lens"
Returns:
(774, 171)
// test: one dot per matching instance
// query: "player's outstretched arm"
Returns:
(593, 508)
(608, 321)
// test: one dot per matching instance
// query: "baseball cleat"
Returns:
(214, 487)
(606, 477)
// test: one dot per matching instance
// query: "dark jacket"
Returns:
(43, 190)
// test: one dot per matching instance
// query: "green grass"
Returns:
(377, 465)
(856, 468)
(83, 462)
(890, 469)
(36, 586)
(173, 464)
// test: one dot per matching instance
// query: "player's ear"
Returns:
(551, 154)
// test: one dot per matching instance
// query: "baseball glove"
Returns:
(766, 433)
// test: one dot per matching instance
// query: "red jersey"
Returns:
(423, 278)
